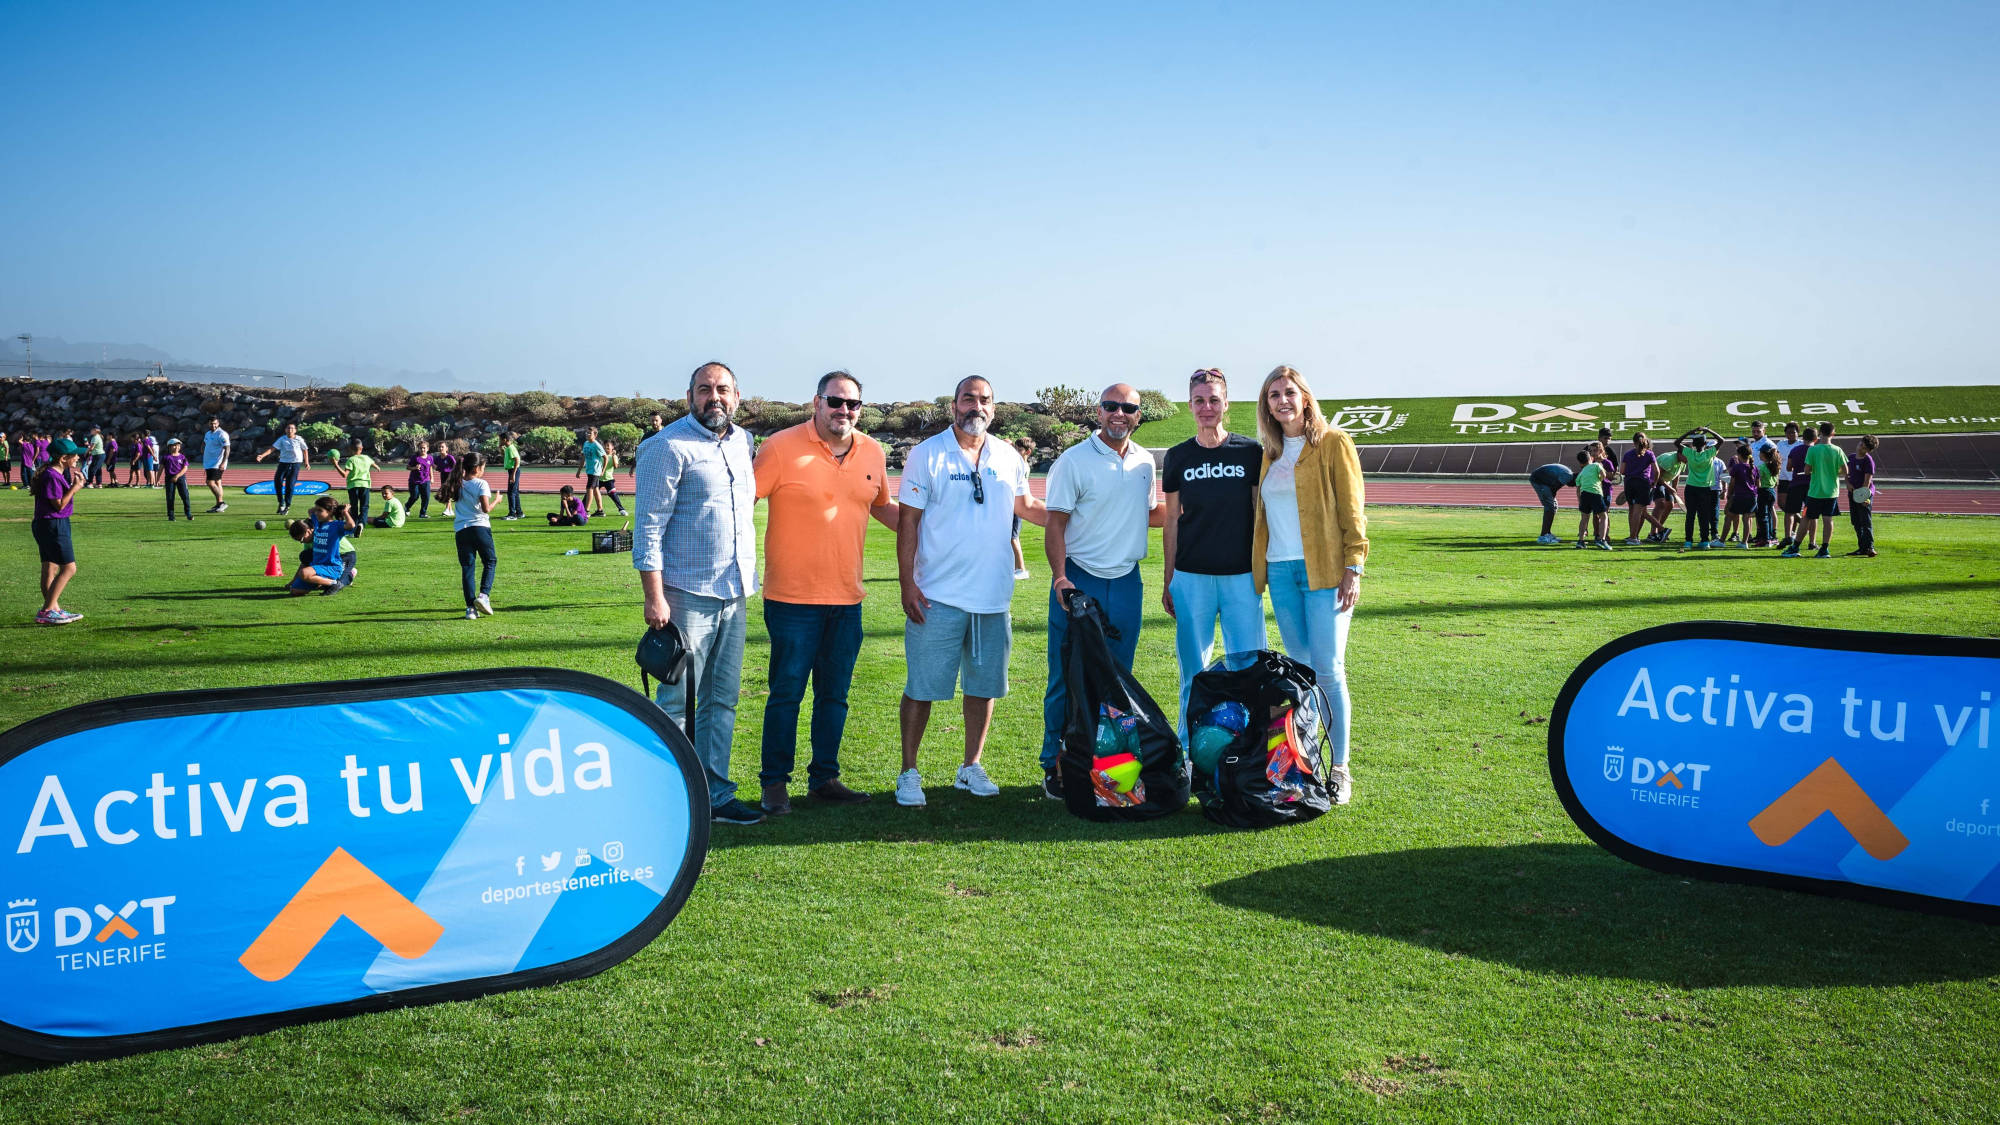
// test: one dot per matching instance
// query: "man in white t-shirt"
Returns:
(215, 459)
(955, 558)
(1100, 506)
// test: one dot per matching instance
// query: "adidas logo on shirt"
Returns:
(1212, 472)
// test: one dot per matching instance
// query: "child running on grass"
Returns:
(55, 487)
(607, 486)
(474, 531)
(1593, 514)
(570, 511)
(359, 468)
(176, 465)
(392, 509)
(421, 469)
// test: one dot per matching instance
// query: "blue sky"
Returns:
(1426, 198)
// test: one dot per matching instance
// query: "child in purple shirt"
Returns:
(445, 464)
(176, 466)
(55, 488)
(422, 466)
(570, 511)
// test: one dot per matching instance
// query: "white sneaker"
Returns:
(471, 614)
(973, 780)
(484, 605)
(1340, 783)
(910, 789)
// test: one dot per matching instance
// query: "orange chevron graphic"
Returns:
(342, 887)
(1670, 778)
(1829, 789)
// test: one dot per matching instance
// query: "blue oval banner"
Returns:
(300, 488)
(198, 865)
(1857, 764)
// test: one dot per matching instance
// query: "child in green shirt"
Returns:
(392, 509)
(358, 466)
(1593, 513)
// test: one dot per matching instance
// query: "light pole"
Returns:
(28, 342)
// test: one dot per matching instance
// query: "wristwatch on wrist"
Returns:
(1357, 569)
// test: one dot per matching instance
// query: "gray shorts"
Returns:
(953, 646)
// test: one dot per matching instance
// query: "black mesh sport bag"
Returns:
(1258, 741)
(1121, 759)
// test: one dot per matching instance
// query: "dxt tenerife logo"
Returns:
(1360, 420)
(1655, 781)
(115, 933)
(1625, 414)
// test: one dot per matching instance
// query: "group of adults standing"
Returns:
(1282, 514)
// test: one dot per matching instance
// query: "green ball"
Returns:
(1208, 746)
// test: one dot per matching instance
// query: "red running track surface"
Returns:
(1439, 493)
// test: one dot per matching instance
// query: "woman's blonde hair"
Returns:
(1269, 432)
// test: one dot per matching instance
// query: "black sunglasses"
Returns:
(1116, 407)
(841, 403)
(978, 489)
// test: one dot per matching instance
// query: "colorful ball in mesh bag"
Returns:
(1206, 746)
(1229, 715)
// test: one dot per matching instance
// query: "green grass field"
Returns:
(1884, 410)
(1448, 948)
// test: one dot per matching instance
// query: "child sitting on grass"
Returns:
(1593, 513)
(327, 562)
(570, 511)
(392, 509)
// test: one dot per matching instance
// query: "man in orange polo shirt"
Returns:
(823, 479)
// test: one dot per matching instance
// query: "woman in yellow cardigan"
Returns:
(1311, 542)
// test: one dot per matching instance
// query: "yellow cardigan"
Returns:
(1332, 520)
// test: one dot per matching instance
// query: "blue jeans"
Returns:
(1199, 600)
(821, 641)
(714, 631)
(476, 542)
(514, 491)
(284, 481)
(1121, 598)
(420, 496)
(1314, 630)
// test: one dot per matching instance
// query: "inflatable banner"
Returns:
(299, 488)
(1856, 764)
(198, 865)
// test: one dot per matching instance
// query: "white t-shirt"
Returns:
(291, 450)
(1280, 496)
(1107, 497)
(214, 448)
(1785, 458)
(468, 515)
(965, 555)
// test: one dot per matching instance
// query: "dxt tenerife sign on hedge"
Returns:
(203, 864)
(1858, 764)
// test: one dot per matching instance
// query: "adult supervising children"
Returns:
(1640, 469)
(55, 486)
(1792, 496)
(175, 467)
(293, 457)
(1310, 544)
(1548, 481)
(214, 460)
(823, 479)
(694, 545)
(1210, 481)
(960, 492)
(473, 531)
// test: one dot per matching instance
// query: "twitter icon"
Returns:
(550, 860)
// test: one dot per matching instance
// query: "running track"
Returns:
(1439, 493)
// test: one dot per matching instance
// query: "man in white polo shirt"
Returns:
(960, 493)
(1100, 504)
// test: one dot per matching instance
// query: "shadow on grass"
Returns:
(1693, 598)
(1019, 814)
(1574, 909)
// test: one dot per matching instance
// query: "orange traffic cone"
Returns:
(271, 564)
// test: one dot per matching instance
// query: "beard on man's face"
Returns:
(715, 416)
(972, 422)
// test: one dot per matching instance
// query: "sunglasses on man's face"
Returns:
(1119, 407)
(834, 403)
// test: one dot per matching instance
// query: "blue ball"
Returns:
(1231, 716)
